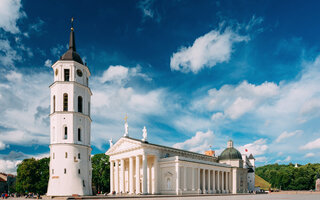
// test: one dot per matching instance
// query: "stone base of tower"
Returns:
(70, 170)
(58, 188)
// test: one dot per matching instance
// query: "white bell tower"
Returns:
(70, 125)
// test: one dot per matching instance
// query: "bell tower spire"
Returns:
(72, 43)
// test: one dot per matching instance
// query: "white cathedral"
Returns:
(140, 167)
(136, 166)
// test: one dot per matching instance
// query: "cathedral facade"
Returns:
(140, 167)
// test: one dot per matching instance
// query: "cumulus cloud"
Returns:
(315, 144)
(120, 74)
(207, 51)
(10, 12)
(235, 101)
(287, 159)
(258, 147)
(309, 155)
(146, 7)
(7, 54)
(48, 63)
(9, 166)
(13, 76)
(115, 73)
(19, 102)
(285, 135)
(261, 159)
(201, 142)
(2, 145)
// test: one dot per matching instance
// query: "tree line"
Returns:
(33, 175)
(289, 177)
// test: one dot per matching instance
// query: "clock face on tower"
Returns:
(79, 73)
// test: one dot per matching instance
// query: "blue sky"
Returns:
(195, 73)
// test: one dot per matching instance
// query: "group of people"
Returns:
(4, 195)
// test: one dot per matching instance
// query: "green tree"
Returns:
(288, 177)
(101, 172)
(33, 176)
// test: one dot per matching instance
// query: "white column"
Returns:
(209, 181)
(144, 174)
(192, 179)
(213, 181)
(122, 182)
(198, 182)
(184, 178)
(218, 178)
(222, 183)
(131, 175)
(203, 181)
(138, 175)
(111, 176)
(155, 165)
(177, 178)
(117, 177)
(227, 182)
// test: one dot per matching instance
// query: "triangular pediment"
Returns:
(123, 145)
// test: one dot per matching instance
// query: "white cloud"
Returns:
(235, 101)
(261, 159)
(10, 12)
(311, 145)
(258, 147)
(201, 142)
(148, 12)
(120, 74)
(25, 123)
(285, 135)
(2, 145)
(309, 155)
(115, 73)
(48, 63)
(9, 166)
(288, 159)
(207, 51)
(13, 76)
(7, 54)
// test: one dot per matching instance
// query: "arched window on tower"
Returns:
(66, 74)
(54, 103)
(65, 102)
(79, 134)
(80, 104)
(65, 133)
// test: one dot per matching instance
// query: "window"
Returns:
(83, 183)
(66, 155)
(53, 155)
(65, 170)
(87, 81)
(65, 133)
(52, 171)
(168, 183)
(54, 103)
(89, 157)
(78, 155)
(66, 74)
(78, 171)
(65, 102)
(79, 134)
(79, 104)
